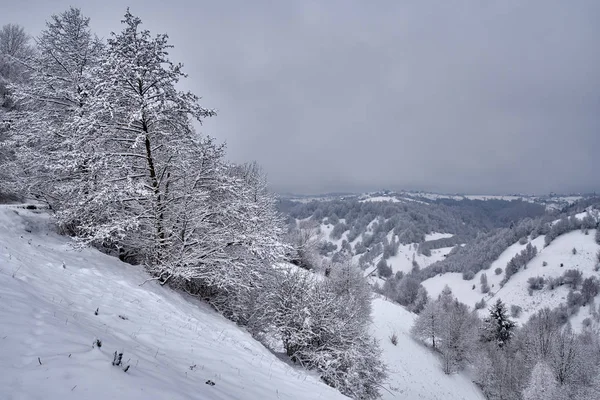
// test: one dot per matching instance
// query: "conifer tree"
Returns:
(498, 326)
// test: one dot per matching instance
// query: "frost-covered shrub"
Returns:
(553, 283)
(468, 275)
(498, 271)
(523, 240)
(574, 301)
(384, 270)
(590, 288)
(480, 304)
(326, 248)
(573, 277)
(484, 284)
(536, 283)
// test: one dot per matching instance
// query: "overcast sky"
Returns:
(451, 96)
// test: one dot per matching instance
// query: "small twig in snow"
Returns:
(149, 279)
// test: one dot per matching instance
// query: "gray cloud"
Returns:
(350, 95)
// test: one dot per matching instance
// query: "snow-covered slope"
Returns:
(173, 344)
(559, 252)
(515, 291)
(415, 371)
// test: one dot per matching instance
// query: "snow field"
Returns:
(173, 343)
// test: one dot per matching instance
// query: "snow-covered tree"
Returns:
(304, 242)
(55, 159)
(428, 325)
(484, 283)
(324, 326)
(542, 384)
(498, 327)
(564, 356)
(15, 51)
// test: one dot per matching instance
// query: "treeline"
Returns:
(543, 359)
(481, 252)
(99, 132)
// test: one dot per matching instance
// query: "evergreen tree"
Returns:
(498, 326)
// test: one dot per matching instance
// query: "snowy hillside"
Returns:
(551, 262)
(415, 371)
(176, 347)
(559, 252)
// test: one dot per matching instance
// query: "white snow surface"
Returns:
(173, 343)
(402, 261)
(415, 371)
(437, 235)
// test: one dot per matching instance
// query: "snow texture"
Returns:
(175, 345)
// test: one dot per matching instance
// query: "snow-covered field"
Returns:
(402, 261)
(557, 253)
(515, 292)
(174, 344)
(437, 235)
(415, 371)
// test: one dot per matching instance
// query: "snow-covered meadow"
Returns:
(174, 344)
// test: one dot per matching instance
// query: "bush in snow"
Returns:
(574, 251)
(590, 289)
(468, 275)
(498, 271)
(574, 301)
(523, 240)
(305, 242)
(383, 269)
(484, 284)
(553, 283)
(544, 264)
(573, 277)
(480, 304)
(326, 248)
(323, 325)
(536, 283)
(394, 338)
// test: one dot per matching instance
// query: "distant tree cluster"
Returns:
(568, 224)
(481, 252)
(519, 261)
(406, 290)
